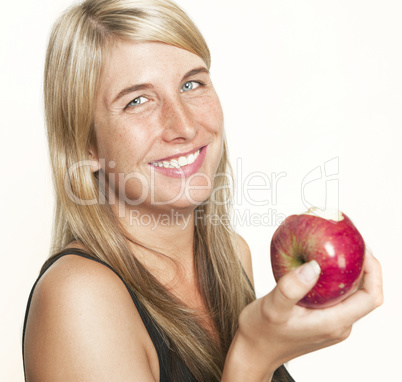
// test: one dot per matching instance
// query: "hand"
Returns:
(275, 330)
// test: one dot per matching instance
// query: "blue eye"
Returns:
(190, 85)
(137, 101)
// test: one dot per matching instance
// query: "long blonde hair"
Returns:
(77, 48)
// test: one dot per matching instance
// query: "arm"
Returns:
(83, 326)
(273, 329)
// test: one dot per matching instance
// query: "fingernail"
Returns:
(309, 272)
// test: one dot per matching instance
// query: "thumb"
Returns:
(293, 286)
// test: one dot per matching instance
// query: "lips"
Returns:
(177, 162)
(182, 165)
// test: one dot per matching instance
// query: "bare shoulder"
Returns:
(83, 325)
(245, 257)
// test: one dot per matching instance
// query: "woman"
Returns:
(148, 281)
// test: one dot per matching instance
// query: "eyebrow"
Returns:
(134, 88)
(131, 89)
(195, 71)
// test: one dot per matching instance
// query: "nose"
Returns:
(178, 121)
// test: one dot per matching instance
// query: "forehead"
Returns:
(130, 62)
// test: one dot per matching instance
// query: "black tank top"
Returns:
(160, 344)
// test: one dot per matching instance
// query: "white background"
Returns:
(302, 83)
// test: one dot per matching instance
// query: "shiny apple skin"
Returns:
(338, 248)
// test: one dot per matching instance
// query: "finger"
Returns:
(373, 278)
(369, 297)
(367, 252)
(291, 288)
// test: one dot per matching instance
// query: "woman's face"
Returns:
(158, 126)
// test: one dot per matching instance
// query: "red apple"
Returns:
(330, 238)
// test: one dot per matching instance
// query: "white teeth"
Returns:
(182, 161)
(174, 163)
(190, 159)
(178, 162)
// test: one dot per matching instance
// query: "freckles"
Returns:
(212, 115)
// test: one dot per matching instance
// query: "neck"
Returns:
(169, 232)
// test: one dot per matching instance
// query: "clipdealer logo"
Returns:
(319, 188)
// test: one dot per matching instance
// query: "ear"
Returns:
(95, 163)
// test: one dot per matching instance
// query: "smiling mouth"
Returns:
(178, 162)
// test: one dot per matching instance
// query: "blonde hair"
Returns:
(78, 44)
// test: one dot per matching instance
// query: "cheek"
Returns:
(125, 144)
(211, 115)
(215, 120)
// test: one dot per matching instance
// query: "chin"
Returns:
(186, 201)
